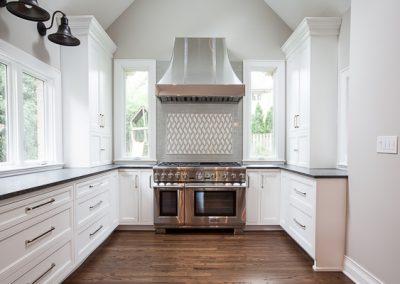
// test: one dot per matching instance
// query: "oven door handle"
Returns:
(168, 187)
(218, 186)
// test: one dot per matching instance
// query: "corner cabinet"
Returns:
(87, 95)
(136, 197)
(313, 213)
(263, 197)
(311, 58)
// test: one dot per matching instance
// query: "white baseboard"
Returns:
(357, 273)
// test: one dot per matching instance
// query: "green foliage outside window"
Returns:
(259, 125)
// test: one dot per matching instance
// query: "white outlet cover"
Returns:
(387, 144)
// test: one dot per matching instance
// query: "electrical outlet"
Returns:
(387, 144)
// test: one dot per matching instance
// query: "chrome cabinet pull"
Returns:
(27, 209)
(150, 181)
(28, 242)
(91, 186)
(248, 181)
(96, 205)
(95, 232)
(44, 273)
(136, 178)
(299, 224)
(262, 181)
(300, 192)
(294, 121)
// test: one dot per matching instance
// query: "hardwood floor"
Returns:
(255, 257)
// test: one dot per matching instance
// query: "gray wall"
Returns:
(344, 41)
(23, 34)
(148, 27)
(374, 179)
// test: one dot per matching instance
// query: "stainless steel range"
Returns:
(199, 195)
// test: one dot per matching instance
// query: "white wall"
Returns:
(148, 27)
(23, 34)
(344, 41)
(373, 239)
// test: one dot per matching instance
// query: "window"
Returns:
(30, 116)
(135, 110)
(264, 106)
(344, 81)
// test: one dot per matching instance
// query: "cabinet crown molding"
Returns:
(311, 26)
(89, 26)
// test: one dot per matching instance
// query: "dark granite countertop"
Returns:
(21, 184)
(314, 173)
(25, 183)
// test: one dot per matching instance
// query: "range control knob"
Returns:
(212, 176)
(199, 175)
(233, 176)
(156, 176)
(177, 175)
(224, 175)
(170, 175)
(184, 176)
(163, 175)
(242, 176)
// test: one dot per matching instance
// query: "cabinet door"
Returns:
(304, 88)
(146, 198)
(129, 197)
(252, 199)
(105, 99)
(94, 90)
(303, 141)
(95, 149)
(284, 202)
(293, 79)
(105, 150)
(269, 197)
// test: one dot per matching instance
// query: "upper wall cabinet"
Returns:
(87, 94)
(311, 54)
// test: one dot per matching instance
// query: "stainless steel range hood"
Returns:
(200, 71)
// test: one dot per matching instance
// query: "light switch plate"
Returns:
(387, 144)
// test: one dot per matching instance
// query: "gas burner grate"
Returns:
(199, 164)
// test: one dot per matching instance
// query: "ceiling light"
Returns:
(63, 36)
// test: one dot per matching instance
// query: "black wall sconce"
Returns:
(31, 11)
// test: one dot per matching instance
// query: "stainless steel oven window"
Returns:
(214, 203)
(169, 203)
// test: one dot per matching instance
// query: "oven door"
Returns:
(215, 205)
(168, 205)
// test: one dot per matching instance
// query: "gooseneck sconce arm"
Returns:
(63, 36)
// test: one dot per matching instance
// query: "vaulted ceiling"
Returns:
(291, 11)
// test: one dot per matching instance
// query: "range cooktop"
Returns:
(199, 164)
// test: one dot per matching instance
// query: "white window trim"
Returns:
(343, 100)
(17, 62)
(120, 67)
(279, 108)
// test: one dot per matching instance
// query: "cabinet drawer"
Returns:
(302, 229)
(22, 246)
(52, 269)
(92, 186)
(88, 208)
(25, 209)
(302, 194)
(92, 236)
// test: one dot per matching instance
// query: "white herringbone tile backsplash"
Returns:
(199, 134)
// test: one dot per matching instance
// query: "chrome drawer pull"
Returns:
(95, 232)
(45, 273)
(27, 209)
(91, 186)
(96, 205)
(300, 224)
(28, 242)
(300, 192)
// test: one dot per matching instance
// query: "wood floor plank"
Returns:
(255, 257)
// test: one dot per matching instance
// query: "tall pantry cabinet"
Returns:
(87, 95)
(311, 55)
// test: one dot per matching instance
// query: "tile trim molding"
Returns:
(357, 273)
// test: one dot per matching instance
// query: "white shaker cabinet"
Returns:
(136, 197)
(87, 95)
(313, 213)
(311, 54)
(263, 197)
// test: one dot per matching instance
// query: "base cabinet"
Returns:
(136, 197)
(263, 197)
(313, 213)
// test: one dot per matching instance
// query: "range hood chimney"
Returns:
(200, 71)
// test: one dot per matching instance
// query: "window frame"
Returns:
(19, 62)
(120, 67)
(279, 98)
